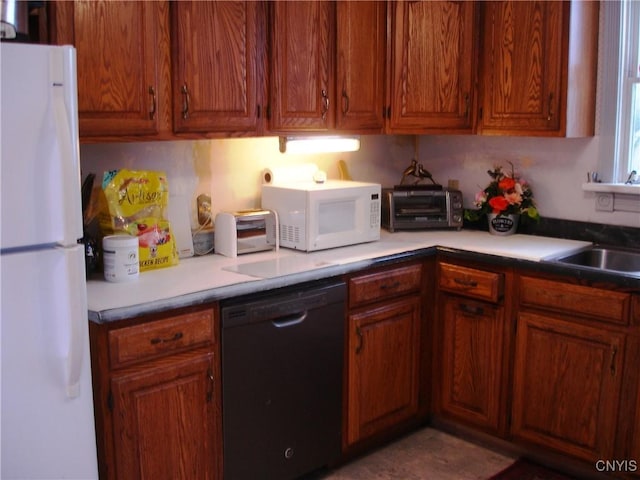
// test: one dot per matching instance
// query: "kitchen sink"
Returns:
(604, 258)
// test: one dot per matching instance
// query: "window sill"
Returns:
(612, 188)
(615, 196)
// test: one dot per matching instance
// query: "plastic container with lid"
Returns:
(120, 258)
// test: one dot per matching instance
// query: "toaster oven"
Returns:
(418, 207)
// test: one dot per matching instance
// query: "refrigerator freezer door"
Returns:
(40, 167)
(47, 421)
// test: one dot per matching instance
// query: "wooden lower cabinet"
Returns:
(566, 385)
(471, 345)
(472, 361)
(383, 367)
(383, 357)
(574, 368)
(157, 397)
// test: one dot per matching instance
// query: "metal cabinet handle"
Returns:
(325, 103)
(185, 101)
(211, 385)
(612, 364)
(345, 102)
(390, 286)
(157, 340)
(360, 340)
(550, 116)
(465, 282)
(473, 310)
(152, 112)
(466, 105)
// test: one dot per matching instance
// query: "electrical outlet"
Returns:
(204, 209)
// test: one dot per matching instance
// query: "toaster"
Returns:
(245, 231)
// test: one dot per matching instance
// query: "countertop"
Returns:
(213, 277)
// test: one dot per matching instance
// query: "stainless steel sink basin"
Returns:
(604, 258)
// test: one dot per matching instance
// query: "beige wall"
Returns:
(230, 169)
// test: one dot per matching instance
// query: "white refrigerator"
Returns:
(47, 422)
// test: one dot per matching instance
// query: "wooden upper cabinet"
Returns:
(360, 65)
(433, 67)
(528, 86)
(122, 64)
(302, 86)
(217, 74)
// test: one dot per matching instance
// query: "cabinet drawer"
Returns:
(470, 282)
(384, 284)
(160, 337)
(606, 305)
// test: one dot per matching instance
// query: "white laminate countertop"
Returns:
(210, 277)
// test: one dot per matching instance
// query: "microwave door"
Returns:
(336, 223)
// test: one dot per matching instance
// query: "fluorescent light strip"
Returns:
(319, 144)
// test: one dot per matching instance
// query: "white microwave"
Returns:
(316, 216)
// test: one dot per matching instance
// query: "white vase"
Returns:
(502, 224)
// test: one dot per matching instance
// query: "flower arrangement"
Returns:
(506, 194)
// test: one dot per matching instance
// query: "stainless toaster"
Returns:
(245, 231)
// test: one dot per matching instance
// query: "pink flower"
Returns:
(481, 197)
(513, 198)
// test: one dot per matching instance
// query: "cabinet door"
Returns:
(360, 68)
(433, 67)
(566, 385)
(472, 363)
(523, 58)
(302, 86)
(122, 64)
(164, 421)
(216, 66)
(382, 367)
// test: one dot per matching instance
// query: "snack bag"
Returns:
(135, 202)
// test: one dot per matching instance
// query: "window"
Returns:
(628, 130)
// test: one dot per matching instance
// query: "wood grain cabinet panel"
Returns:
(302, 87)
(472, 361)
(566, 385)
(383, 367)
(164, 337)
(360, 66)
(539, 68)
(384, 350)
(122, 64)
(604, 305)
(471, 345)
(470, 282)
(217, 53)
(157, 396)
(165, 421)
(384, 285)
(433, 68)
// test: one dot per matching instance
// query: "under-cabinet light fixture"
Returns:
(319, 144)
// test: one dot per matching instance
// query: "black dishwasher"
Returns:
(282, 360)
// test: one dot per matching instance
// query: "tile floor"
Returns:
(427, 454)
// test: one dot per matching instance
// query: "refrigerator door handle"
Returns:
(69, 157)
(77, 319)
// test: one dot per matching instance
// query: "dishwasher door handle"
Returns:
(290, 320)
